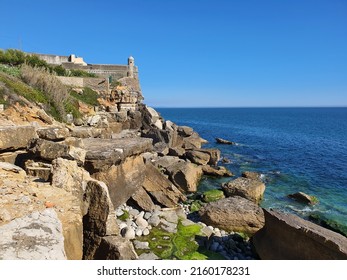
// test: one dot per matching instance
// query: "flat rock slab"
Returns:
(38, 236)
(16, 137)
(102, 153)
(289, 237)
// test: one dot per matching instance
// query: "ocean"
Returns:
(296, 149)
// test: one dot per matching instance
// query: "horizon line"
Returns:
(249, 107)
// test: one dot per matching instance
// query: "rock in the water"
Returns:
(247, 188)
(223, 141)
(288, 237)
(219, 171)
(233, 214)
(303, 198)
(16, 137)
(251, 175)
(38, 236)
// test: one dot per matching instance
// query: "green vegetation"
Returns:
(212, 195)
(17, 58)
(88, 96)
(328, 223)
(124, 216)
(195, 206)
(180, 245)
(314, 199)
(10, 70)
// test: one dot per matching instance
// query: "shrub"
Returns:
(81, 73)
(10, 70)
(88, 96)
(44, 81)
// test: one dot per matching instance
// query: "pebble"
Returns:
(147, 215)
(134, 212)
(128, 233)
(119, 212)
(141, 245)
(138, 232)
(122, 225)
(154, 220)
(141, 222)
(145, 231)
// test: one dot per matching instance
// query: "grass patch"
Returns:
(124, 216)
(88, 96)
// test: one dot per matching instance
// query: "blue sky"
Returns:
(230, 53)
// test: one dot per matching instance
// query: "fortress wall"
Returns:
(53, 59)
(97, 84)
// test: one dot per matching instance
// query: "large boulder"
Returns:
(16, 137)
(160, 188)
(98, 220)
(288, 237)
(247, 188)
(143, 200)
(233, 214)
(185, 175)
(38, 236)
(123, 179)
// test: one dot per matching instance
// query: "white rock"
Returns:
(145, 231)
(128, 233)
(138, 232)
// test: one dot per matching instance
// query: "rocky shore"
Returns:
(117, 184)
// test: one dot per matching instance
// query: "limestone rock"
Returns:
(49, 150)
(197, 157)
(17, 157)
(98, 221)
(194, 141)
(219, 171)
(8, 167)
(123, 179)
(41, 170)
(16, 137)
(115, 248)
(185, 176)
(177, 151)
(38, 236)
(159, 187)
(185, 131)
(288, 237)
(85, 132)
(53, 133)
(247, 188)
(103, 153)
(251, 175)
(143, 200)
(233, 214)
(303, 198)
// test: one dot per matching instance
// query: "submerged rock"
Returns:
(303, 198)
(223, 141)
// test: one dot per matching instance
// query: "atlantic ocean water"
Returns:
(296, 149)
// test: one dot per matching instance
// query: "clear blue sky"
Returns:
(199, 53)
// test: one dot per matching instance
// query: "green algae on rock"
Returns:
(212, 195)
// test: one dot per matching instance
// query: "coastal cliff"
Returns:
(106, 181)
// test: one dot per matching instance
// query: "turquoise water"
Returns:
(297, 149)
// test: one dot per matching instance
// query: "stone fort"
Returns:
(111, 71)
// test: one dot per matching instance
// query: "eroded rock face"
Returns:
(244, 187)
(159, 187)
(16, 137)
(38, 236)
(115, 248)
(233, 214)
(123, 179)
(288, 237)
(185, 176)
